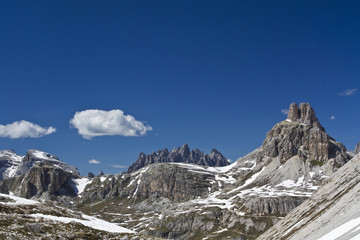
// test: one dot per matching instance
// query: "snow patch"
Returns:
(89, 221)
(290, 229)
(81, 183)
(17, 200)
(342, 230)
(45, 156)
(253, 178)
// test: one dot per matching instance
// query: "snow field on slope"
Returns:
(91, 222)
(17, 200)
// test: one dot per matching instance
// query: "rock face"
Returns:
(156, 181)
(183, 154)
(302, 135)
(45, 177)
(42, 178)
(303, 113)
(357, 148)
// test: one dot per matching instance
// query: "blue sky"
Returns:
(213, 74)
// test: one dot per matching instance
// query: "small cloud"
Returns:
(348, 92)
(229, 160)
(118, 166)
(24, 129)
(284, 111)
(94, 161)
(92, 123)
(332, 117)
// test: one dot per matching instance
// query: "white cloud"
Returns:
(348, 92)
(92, 123)
(118, 166)
(24, 129)
(94, 161)
(284, 111)
(332, 117)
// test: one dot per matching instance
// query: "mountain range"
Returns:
(296, 180)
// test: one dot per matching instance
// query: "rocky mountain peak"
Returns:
(181, 155)
(303, 113)
(302, 135)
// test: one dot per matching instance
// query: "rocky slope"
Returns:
(28, 219)
(183, 155)
(315, 218)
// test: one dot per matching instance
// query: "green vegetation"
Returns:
(317, 163)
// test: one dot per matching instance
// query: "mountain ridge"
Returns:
(183, 154)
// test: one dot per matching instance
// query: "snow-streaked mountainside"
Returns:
(332, 213)
(178, 200)
(12, 165)
(9, 163)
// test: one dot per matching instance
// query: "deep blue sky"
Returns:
(213, 74)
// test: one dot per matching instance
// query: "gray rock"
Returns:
(357, 148)
(183, 154)
(46, 178)
(303, 113)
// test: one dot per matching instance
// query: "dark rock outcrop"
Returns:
(183, 155)
(303, 113)
(357, 148)
(302, 134)
(48, 178)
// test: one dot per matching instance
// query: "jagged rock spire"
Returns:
(183, 155)
(357, 148)
(303, 113)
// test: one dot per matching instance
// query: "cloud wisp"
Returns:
(332, 117)
(118, 166)
(93, 123)
(348, 92)
(24, 129)
(94, 161)
(285, 111)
